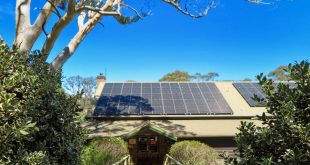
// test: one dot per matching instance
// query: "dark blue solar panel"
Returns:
(247, 91)
(161, 98)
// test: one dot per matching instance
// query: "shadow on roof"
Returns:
(120, 104)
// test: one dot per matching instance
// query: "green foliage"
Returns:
(193, 152)
(279, 74)
(38, 121)
(284, 137)
(176, 76)
(104, 151)
(184, 76)
(247, 79)
(211, 76)
(205, 77)
(131, 81)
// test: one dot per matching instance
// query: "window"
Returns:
(148, 144)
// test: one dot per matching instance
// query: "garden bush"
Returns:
(193, 153)
(284, 137)
(104, 151)
(39, 122)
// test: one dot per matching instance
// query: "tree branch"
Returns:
(46, 12)
(22, 15)
(176, 4)
(58, 27)
(66, 53)
(133, 9)
(259, 2)
(97, 10)
(74, 43)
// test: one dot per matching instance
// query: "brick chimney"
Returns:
(99, 85)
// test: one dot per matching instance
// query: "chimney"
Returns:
(99, 85)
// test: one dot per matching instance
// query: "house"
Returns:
(152, 116)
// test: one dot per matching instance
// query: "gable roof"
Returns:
(147, 125)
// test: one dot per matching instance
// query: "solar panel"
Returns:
(247, 91)
(161, 99)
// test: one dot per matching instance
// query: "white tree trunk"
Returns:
(22, 24)
(67, 52)
(74, 43)
(58, 27)
(27, 34)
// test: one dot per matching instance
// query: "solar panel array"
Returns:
(161, 98)
(247, 90)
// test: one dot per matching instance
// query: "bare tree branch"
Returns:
(133, 9)
(176, 4)
(59, 16)
(58, 27)
(259, 2)
(66, 53)
(97, 10)
(81, 19)
(73, 44)
(55, 8)
(45, 13)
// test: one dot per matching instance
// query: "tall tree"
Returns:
(89, 13)
(176, 76)
(205, 77)
(247, 79)
(197, 76)
(210, 76)
(131, 81)
(82, 85)
(89, 87)
(77, 84)
(74, 84)
(284, 137)
(279, 74)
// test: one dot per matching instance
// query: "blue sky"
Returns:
(236, 39)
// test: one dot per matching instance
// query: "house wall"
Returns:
(142, 157)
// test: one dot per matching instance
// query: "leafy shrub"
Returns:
(105, 151)
(284, 137)
(38, 121)
(193, 152)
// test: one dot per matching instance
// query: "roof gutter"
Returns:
(169, 117)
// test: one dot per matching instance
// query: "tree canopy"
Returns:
(280, 74)
(185, 76)
(247, 79)
(176, 76)
(284, 137)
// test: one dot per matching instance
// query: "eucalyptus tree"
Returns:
(89, 13)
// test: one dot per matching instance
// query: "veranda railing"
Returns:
(124, 161)
(171, 161)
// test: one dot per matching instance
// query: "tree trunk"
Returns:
(74, 43)
(27, 34)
